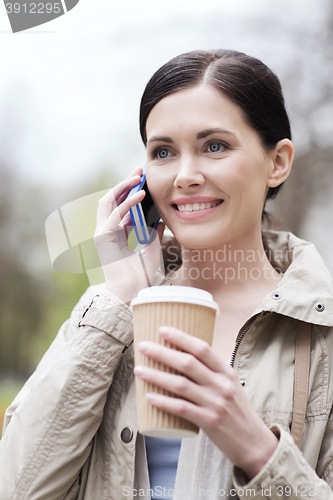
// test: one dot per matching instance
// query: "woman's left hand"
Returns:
(213, 398)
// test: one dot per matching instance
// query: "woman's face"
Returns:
(206, 169)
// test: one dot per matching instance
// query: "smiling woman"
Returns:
(243, 80)
(218, 146)
(225, 165)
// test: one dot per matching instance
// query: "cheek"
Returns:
(158, 191)
(251, 178)
(154, 186)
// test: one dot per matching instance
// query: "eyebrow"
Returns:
(200, 135)
(160, 138)
(210, 131)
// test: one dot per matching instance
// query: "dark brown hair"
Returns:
(244, 80)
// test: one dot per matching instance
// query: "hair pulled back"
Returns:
(244, 80)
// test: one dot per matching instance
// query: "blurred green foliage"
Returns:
(8, 391)
(34, 299)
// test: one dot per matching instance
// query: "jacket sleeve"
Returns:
(50, 425)
(286, 475)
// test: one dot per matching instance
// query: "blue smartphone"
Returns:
(144, 215)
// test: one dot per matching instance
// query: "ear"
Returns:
(282, 160)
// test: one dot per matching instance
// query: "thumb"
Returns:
(152, 252)
(160, 230)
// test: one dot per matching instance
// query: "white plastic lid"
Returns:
(183, 294)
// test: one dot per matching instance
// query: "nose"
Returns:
(188, 174)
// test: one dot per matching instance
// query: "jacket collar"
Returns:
(306, 290)
(306, 284)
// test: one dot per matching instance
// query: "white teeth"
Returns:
(196, 206)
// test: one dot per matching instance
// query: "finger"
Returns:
(122, 210)
(196, 414)
(121, 198)
(152, 253)
(116, 216)
(182, 362)
(109, 201)
(136, 171)
(123, 187)
(126, 221)
(195, 346)
(176, 384)
(127, 224)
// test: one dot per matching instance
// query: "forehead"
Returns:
(202, 106)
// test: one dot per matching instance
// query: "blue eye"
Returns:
(162, 153)
(159, 153)
(214, 147)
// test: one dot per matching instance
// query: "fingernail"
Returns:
(139, 193)
(139, 371)
(150, 396)
(144, 346)
(164, 331)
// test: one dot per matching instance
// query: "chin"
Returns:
(195, 241)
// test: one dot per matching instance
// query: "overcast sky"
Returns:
(70, 89)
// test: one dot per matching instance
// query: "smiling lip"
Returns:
(194, 199)
(196, 214)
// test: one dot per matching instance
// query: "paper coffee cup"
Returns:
(189, 309)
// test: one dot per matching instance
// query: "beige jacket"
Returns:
(71, 433)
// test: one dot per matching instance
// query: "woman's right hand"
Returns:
(126, 272)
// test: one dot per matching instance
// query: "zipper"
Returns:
(243, 333)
